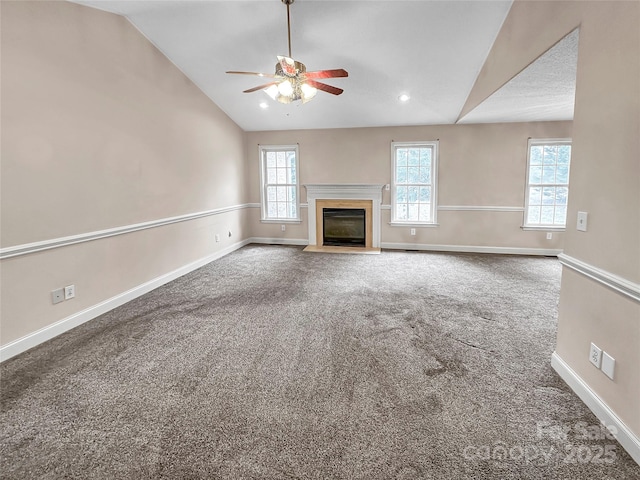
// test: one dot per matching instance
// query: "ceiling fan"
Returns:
(291, 81)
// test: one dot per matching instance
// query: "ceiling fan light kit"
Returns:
(292, 82)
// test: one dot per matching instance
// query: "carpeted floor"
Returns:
(271, 363)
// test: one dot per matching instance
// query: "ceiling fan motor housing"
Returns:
(299, 69)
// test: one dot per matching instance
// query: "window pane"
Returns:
(272, 210)
(562, 174)
(401, 175)
(413, 194)
(536, 155)
(401, 155)
(271, 175)
(535, 196)
(413, 212)
(271, 159)
(562, 195)
(282, 210)
(413, 175)
(560, 216)
(291, 194)
(425, 175)
(402, 211)
(281, 176)
(548, 195)
(281, 159)
(281, 194)
(564, 154)
(425, 157)
(414, 156)
(546, 215)
(401, 194)
(271, 194)
(533, 215)
(548, 174)
(425, 194)
(550, 154)
(535, 175)
(425, 212)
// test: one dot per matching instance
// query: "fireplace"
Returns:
(344, 227)
(351, 197)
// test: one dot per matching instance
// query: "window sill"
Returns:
(543, 228)
(415, 225)
(280, 220)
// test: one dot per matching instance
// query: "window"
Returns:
(414, 193)
(279, 183)
(547, 183)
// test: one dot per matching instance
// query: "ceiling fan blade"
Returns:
(261, 87)
(324, 87)
(338, 72)
(288, 65)
(268, 75)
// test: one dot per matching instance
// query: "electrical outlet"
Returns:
(549, 236)
(217, 237)
(608, 365)
(283, 227)
(595, 355)
(413, 231)
(57, 295)
(69, 292)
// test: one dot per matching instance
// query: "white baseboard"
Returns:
(472, 249)
(279, 241)
(36, 338)
(629, 440)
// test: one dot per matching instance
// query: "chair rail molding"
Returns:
(614, 282)
(28, 248)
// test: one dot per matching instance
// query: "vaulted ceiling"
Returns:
(430, 50)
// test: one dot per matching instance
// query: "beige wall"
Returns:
(100, 130)
(605, 179)
(479, 165)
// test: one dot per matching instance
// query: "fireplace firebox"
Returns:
(344, 227)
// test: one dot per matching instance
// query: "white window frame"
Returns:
(542, 142)
(434, 145)
(262, 150)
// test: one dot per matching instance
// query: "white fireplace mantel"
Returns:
(344, 191)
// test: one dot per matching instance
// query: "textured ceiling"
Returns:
(430, 50)
(544, 90)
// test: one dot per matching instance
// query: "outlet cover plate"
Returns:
(595, 355)
(69, 292)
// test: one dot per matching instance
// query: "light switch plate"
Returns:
(608, 365)
(582, 221)
(57, 295)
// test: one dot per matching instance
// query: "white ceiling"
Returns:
(430, 50)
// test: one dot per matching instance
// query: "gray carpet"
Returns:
(271, 363)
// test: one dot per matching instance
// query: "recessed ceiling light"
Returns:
(404, 97)
(264, 105)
